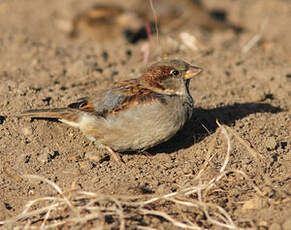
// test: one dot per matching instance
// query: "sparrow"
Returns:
(104, 22)
(135, 114)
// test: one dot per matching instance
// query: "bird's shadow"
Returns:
(203, 122)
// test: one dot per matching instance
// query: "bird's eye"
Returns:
(175, 72)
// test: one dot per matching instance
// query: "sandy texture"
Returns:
(245, 86)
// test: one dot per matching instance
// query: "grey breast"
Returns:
(141, 127)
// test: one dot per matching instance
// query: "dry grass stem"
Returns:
(246, 144)
(78, 208)
(256, 38)
(169, 218)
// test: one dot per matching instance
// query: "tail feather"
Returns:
(66, 115)
(57, 113)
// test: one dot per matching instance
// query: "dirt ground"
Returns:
(246, 85)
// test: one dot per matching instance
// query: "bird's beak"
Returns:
(192, 72)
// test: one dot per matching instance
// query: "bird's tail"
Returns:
(57, 113)
(66, 115)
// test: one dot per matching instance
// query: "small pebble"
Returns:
(162, 189)
(27, 131)
(187, 168)
(43, 157)
(94, 156)
(271, 143)
(254, 203)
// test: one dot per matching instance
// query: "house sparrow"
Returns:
(104, 22)
(134, 114)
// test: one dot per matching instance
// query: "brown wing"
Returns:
(123, 95)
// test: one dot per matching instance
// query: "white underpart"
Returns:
(83, 120)
(71, 123)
